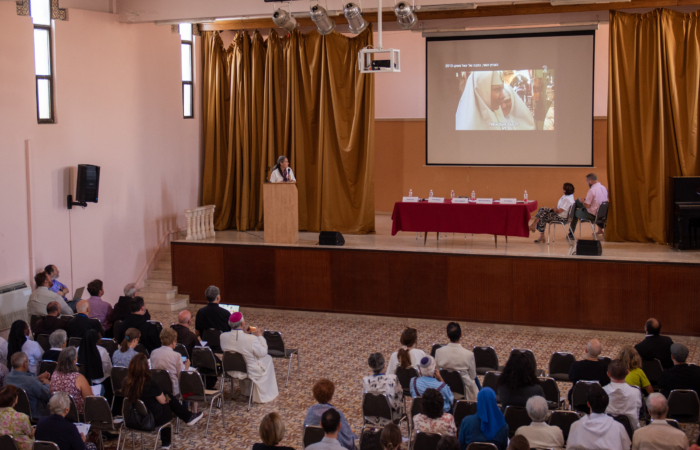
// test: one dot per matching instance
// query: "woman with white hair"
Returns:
(57, 341)
(539, 434)
(55, 428)
(122, 308)
(382, 383)
(430, 378)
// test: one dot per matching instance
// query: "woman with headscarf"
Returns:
(281, 172)
(487, 425)
(515, 113)
(481, 99)
(17, 341)
(96, 361)
(430, 379)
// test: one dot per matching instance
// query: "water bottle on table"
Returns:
(410, 192)
(452, 194)
(525, 197)
(473, 196)
(431, 193)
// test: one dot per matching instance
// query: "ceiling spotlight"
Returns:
(405, 15)
(325, 24)
(356, 22)
(283, 19)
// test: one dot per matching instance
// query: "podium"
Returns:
(281, 209)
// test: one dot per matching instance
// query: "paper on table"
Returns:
(83, 428)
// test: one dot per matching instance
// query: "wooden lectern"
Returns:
(281, 209)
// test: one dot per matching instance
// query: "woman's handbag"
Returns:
(135, 419)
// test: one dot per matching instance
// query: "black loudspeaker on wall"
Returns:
(588, 248)
(87, 187)
(331, 238)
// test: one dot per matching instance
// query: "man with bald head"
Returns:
(184, 335)
(589, 368)
(81, 322)
(658, 434)
(655, 346)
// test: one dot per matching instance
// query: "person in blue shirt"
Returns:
(323, 392)
(37, 388)
(487, 425)
(58, 287)
(430, 378)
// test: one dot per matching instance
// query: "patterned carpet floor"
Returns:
(336, 346)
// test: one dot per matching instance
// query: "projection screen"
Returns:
(490, 100)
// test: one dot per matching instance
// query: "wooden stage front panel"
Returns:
(605, 295)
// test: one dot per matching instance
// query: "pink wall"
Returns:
(118, 103)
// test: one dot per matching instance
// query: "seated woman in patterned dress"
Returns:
(381, 383)
(66, 378)
(554, 215)
(13, 422)
(433, 419)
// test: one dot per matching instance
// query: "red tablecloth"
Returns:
(497, 219)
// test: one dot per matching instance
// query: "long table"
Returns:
(448, 217)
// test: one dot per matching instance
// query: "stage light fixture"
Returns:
(356, 22)
(283, 19)
(324, 24)
(405, 15)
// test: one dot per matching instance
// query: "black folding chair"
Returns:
(73, 415)
(140, 348)
(486, 360)
(516, 417)
(416, 408)
(43, 340)
(563, 420)
(276, 349)
(47, 366)
(312, 434)
(369, 439)
(606, 360)
(531, 356)
(213, 338)
(182, 350)
(141, 409)
(481, 446)
(463, 408)
(435, 348)
(426, 441)
(683, 406)
(559, 365)
(117, 378)
(7, 442)
(204, 361)
(45, 445)
(453, 379)
(405, 376)
(674, 423)
(376, 405)
(191, 383)
(117, 328)
(491, 381)
(109, 345)
(625, 421)
(98, 413)
(234, 362)
(551, 392)
(601, 219)
(579, 397)
(23, 405)
(163, 380)
(653, 370)
(74, 342)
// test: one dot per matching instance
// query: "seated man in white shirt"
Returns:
(330, 422)
(597, 430)
(455, 357)
(624, 399)
(166, 358)
(659, 435)
(42, 296)
(252, 346)
(539, 434)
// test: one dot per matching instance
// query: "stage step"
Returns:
(178, 303)
(159, 292)
(151, 282)
(161, 274)
(164, 264)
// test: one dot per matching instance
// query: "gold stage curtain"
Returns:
(653, 109)
(301, 96)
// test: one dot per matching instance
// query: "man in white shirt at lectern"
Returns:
(281, 172)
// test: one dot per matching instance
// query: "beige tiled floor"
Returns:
(336, 346)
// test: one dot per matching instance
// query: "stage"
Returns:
(456, 277)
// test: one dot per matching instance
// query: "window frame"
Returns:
(190, 83)
(52, 111)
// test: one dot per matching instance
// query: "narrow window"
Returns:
(186, 41)
(40, 11)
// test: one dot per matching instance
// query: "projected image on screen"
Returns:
(490, 99)
(505, 100)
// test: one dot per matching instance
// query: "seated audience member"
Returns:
(17, 341)
(271, 433)
(430, 378)
(126, 351)
(99, 309)
(35, 387)
(166, 358)
(3, 351)
(597, 430)
(184, 335)
(381, 383)
(390, 437)
(56, 286)
(15, 423)
(140, 386)
(212, 315)
(633, 362)
(433, 419)
(590, 368)
(487, 425)
(518, 382)
(66, 378)
(42, 296)
(519, 443)
(331, 422)
(253, 347)
(681, 375)
(96, 360)
(658, 434)
(455, 357)
(588, 207)
(58, 341)
(654, 345)
(407, 356)
(150, 337)
(123, 306)
(448, 443)
(323, 392)
(623, 398)
(81, 322)
(57, 429)
(539, 434)
(3, 373)
(51, 321)
(554, 215)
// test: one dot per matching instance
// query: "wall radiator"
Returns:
(13, 303)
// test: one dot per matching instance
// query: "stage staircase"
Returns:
(159, 293)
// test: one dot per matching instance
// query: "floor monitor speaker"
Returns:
(588, 248)
(331, 238)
